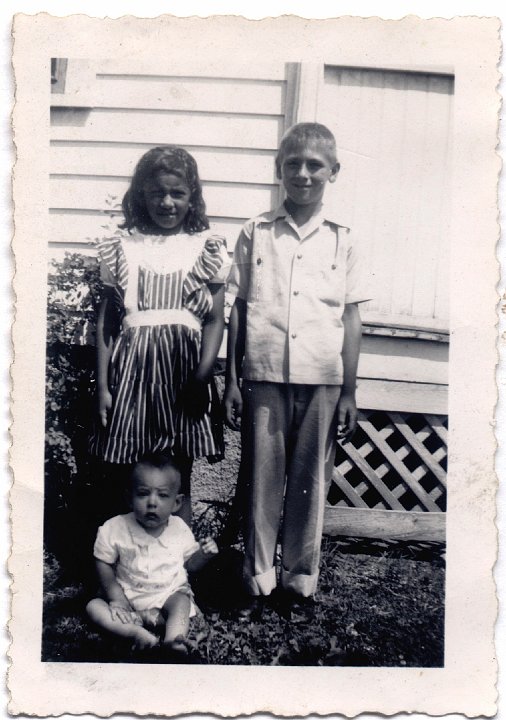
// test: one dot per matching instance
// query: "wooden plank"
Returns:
(194, 94)
(385, 524)
(402, 396)
(436, 424)
(116, 159)
(178, 128)
(347, 489)
(369, 473)
(409, 333)
(404, 359)
(418, 447)
(70, 230)
(222, 199)
(199, 66)
(397, 465)
(401, 322)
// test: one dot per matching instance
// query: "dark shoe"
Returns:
(253, 610)
(292, 606)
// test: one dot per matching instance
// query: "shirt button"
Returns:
(299, 256)
(295, 292)
(294, 335)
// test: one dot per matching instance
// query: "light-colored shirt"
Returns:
(145, 564)
(296, 284)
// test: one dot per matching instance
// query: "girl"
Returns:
(142, 559)
(161, 320)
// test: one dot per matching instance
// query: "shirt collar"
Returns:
(141, 537)
(325, 213)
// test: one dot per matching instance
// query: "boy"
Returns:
(294, 337)
(142, 559)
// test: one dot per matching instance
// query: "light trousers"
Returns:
(288, 450)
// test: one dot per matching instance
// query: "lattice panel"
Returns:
(395, 461)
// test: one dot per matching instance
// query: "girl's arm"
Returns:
(201, 557)
(212, 334)
(114, 595)
(235, 353)
(107, 330)
(347, 407)
(196, 393)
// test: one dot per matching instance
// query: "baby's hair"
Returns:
(168, 159)
(303, 134)
(159, 460)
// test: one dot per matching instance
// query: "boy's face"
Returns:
(305, 170)
(155, 496)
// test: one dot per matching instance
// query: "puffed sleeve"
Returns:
(112, 262)
(238, 279)
(357, 289)
(220, 277)
(105, 547)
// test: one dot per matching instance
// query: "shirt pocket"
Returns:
(329, 285)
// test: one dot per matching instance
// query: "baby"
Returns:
(142, 559)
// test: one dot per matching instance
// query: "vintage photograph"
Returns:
(154, 175)
(255, 365)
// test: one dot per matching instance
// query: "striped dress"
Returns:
(161, 286)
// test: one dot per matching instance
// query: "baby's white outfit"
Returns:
(149, 569)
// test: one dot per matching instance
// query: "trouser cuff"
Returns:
(262, 584)
(304, 585)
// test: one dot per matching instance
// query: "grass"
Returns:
(377, 605)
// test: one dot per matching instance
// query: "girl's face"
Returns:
(155, 496)
(167, 198)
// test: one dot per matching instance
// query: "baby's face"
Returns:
(155, 496)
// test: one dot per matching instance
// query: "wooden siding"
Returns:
(393, 132)
(114, 111)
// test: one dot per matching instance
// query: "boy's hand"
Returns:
(232, 403)
(208, 547)
(123, 614)
(346, 417)
(104, 405)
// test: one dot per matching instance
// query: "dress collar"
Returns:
(141, 537)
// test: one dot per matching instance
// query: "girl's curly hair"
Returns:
(166, 158)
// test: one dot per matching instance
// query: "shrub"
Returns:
(73, 300)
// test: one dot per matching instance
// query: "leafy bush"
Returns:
(73, 300)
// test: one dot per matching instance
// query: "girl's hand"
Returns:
(208, 547)
(232, 403)
(346, 416)
(104, 406)
(123, 614)
(195, 398)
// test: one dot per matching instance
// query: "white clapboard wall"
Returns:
(111, 112)
(393, 130)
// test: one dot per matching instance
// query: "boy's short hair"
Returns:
(159, 460)
(304, 133)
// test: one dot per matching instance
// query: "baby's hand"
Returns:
(208, 547)
(123, 614)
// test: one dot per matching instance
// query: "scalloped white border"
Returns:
(425, 10)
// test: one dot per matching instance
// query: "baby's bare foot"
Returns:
(152, 619)
(143, 639)
(179, 645)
